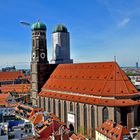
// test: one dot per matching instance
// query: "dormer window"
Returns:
(115, 135)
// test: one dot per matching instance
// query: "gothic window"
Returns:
(49, 105)
(105, 114)
(44, 103)
(85, 119)
(59, 108)
(65, 111)
(54, 106)
(71, 107)
(93, 121)
(78, 117)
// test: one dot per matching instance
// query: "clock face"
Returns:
(42, 55)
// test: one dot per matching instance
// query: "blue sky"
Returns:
(99, 29)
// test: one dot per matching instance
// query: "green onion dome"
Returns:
(38, 26)
(60, 28)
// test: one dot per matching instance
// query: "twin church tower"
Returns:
(40, 67)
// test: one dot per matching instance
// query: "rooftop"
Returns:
(113, 130)
(19, 88)
(60, 28)
(8, 76)
(86, 82)
(38, 26)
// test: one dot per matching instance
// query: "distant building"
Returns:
(7, 113)
(137, 65)
(9, 69)
(110, 130)
(6, 100)
(20, 92)
(61, 45)
(12, 77)
(16, 130)
(26, 111)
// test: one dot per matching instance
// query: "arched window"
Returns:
(65, 111)
(85, 119)
(59, 109)
(49, 105)
(71, 107)
(54, 106)
(93, 121)
(78, 117)
(105, 114)
(44, 103)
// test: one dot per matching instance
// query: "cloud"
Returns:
(124, 22)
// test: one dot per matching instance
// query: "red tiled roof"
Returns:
(100, 79)
(47, 131)
(12, 75)
(112, 130)
(4, 96)
(104, 79)
(91, 100)
(78, 137)
(20, 88)
(3, 100)
(33, 110)
(37, 118)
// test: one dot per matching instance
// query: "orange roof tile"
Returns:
(4, 101)
(99, 79)
(32, 111)
(91, 100)
(37, 118)
(20, 88)
(12, 75)
(112, 130)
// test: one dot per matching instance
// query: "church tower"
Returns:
(61, 45)
(39, 62)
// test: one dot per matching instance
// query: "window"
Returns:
(59, 109)
(105, 114)
(78, 117)
(54, 106)
(65, 111)
(44, 104)
(85, 119)
(93, 121)
(49, 105)
(71, 107)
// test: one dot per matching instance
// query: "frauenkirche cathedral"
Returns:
(83, 95)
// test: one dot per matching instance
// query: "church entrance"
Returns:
(71, 127)
(124, 115)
